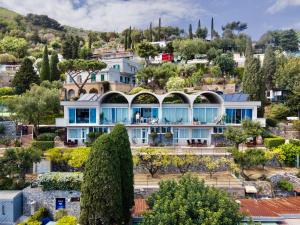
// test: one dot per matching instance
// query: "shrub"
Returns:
(271, 122)
(42, 145)
(46, 137)
(285, 185)
(67, 220)
(6, 91)
(36, 217)
(295, 142)
(274, 142)
(290, 152)
(60, 214)
(60, 181)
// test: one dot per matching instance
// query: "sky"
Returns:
(116, 15)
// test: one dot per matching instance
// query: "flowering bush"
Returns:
(60, 181)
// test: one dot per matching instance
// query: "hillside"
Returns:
(10, 20)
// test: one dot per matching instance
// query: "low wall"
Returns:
(37, 198)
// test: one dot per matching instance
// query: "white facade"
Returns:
(186, 120)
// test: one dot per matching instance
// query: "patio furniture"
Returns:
(188, 142)
(166, 121)
(193, 143)
(205, 143)
(199, 143)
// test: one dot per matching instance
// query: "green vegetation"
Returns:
(289, 153)
(60, 181)
(25, 77)
(98, 201)
(67, 220)
(122, 145)
(42, 145)
(37, 217)
(15, 163)
(36, 105)
(45, 69)
(178, 202)
(285, 185)
(273, 142)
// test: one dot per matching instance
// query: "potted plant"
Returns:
(168, 135)
(153, 135)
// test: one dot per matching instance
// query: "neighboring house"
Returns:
(11, 207)
(276, 95)
(183, 117)
(109, 53)
(7, 73)
(240, 58)
(272, 211)
(162, 57)
(120, 73)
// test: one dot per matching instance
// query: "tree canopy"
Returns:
(189, 201)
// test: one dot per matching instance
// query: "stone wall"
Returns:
(10, 129)
(39, 198)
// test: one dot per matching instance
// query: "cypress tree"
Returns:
(248, 50)
(45, 68)
(122, 144)
(126, 41)
(151, 32)
(54, 72)
(159, 29)
(212, 29)
(190, 32)
(101, 199)
(75, 47)
(129, 38)
(199, 24)
(67, 47)
(269, 67)
(24, 77)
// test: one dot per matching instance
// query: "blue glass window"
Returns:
(205, 115)
(183, 132)
(238, 115)
(200, 133)
(175, 115)
(93, 77)
(72, 113)
(114, 115)
(93, 115)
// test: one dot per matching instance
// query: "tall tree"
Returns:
(92, 37)
(159, 29)
(190, 32)
(289, 40)
(54, 72)
(126, 40)
(74, 67)
(151, 32)
(75, 47)
(129, 38)
(248, 50)
(45, 68)
(199, 24)
(254, 82)
(212, 30)
(35, 106)
(122, 145)
(269, 67)
(25, 77)
(190, 201)
(146, 50)
(67, 47)
(101, 193)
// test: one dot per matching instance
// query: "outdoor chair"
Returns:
(205, 142)
(193, 143)
(199, 143)
(188, 142)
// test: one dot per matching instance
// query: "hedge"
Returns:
(43, 145)
(61, 181)
(46, 137)
(295, 142)
(274, 142)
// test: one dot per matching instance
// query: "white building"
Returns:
(187, 118)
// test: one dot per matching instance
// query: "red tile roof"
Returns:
(140, 206)
(270, 207)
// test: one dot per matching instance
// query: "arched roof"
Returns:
(105, 95)
(184, 96)
(210, 95)
(133, 97)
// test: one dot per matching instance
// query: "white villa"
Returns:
(185, 117)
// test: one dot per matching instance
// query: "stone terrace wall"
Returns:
(47, 199)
